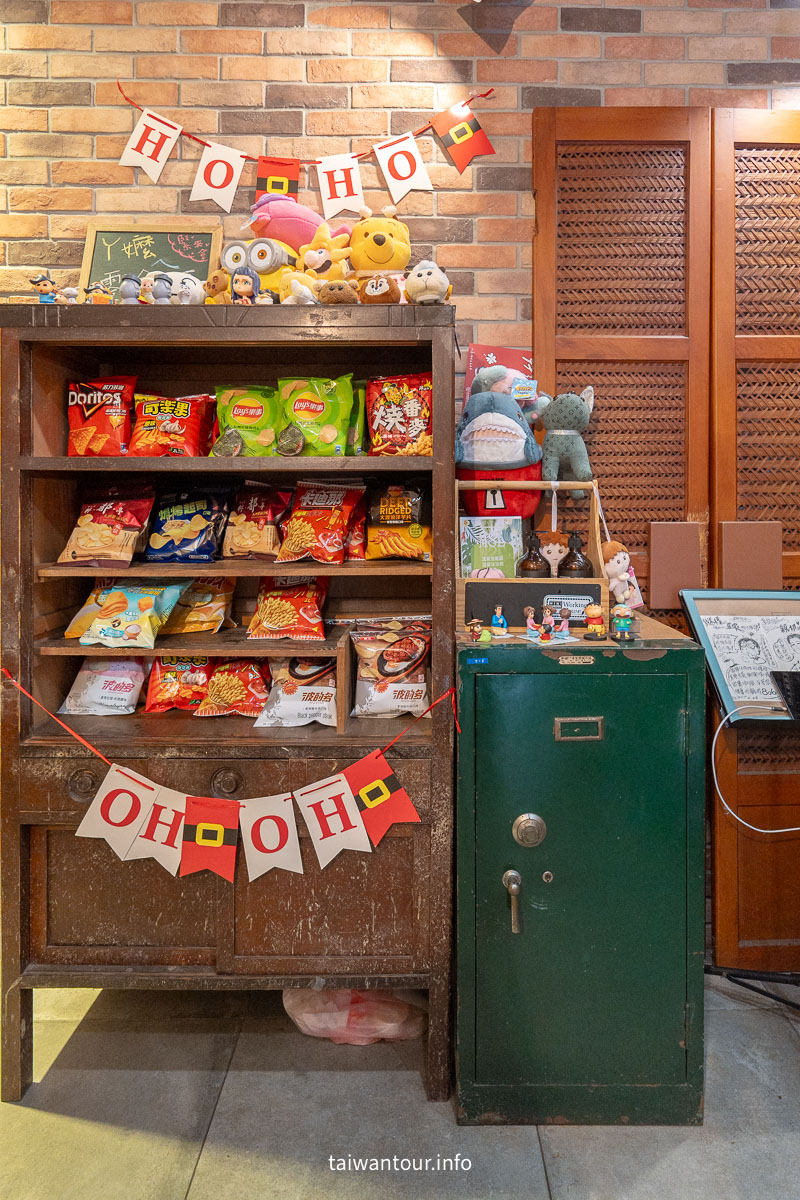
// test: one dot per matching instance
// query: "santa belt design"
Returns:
(209, 836)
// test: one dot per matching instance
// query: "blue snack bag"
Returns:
(188, 526)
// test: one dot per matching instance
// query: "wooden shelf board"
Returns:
(201, 978)
(228, 643)
(161, 730)
(362, 464)
(235, 569)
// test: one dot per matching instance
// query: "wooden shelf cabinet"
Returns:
(381, 919)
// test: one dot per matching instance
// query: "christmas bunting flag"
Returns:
(332, 817)
(381, 798)
(269, 834)
(150, 144)
(159, 835)
(340, 184)
(277, 177)
(462, 134)
(403, 168)
(210, 833)
(218, 174)
(116, 814)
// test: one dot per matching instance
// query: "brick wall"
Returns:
(315, 78)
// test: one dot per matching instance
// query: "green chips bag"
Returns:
(355, 434)
(320, 408)
(253, 418)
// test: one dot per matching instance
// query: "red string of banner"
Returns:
(312, 162)
(450, 692)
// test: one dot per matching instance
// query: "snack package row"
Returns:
(312, 416)
(323, 521)
(393, 666)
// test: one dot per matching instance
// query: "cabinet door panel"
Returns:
(593, 989)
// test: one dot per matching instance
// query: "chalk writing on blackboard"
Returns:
(126, 250)
(749, 647)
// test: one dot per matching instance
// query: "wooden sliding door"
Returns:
(621, 300)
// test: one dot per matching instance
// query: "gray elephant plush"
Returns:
(564, 419)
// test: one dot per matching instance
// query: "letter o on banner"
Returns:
(281, 828)
(212, 184)
(108, 803)
(402, 166)
(227, 174)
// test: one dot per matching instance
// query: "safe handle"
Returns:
(512, 882)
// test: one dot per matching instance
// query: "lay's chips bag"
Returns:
(320, 408)
(252, 417)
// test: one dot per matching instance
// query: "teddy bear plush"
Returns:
(564, 419)
(216, 288)
(337, 291)
(380, 289)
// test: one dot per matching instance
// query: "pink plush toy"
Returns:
(287, 221)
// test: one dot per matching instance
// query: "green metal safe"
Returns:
(580, 919)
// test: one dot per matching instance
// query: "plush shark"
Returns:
(493, 434)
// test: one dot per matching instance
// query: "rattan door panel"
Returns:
(621, 301)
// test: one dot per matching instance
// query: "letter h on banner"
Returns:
(150, 144)
(340, 187)
(332, 817)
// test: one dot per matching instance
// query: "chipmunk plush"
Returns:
(380, 289)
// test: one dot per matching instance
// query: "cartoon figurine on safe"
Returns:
(531, 625)
(98, 293)
(548, 624)
(45, 286)
(595, 625)
(621, 622)
(499, 623)
(245, 286)
(129, 288)
(561, 630)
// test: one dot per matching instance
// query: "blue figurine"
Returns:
(129, 288)
(499, 623)
(45, 286)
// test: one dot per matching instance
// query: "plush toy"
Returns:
(324, 256)
(189, 291)
(494, 442)
(380, 289)
(379, 244)
(336, 291)
(216, 288)
(289, 277)
(427, 284)
(512, 382)
(287, 221)
(266, 256)
(564, 420)
(298, 293)
(554, 547)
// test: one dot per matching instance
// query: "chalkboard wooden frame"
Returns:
(211, 225)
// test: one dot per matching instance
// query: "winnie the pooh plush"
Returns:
(564, 419)
(379, 245)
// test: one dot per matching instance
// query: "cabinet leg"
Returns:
(17, 1043)
(438, 1065)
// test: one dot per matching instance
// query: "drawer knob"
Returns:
(226, 783)
(82, 785)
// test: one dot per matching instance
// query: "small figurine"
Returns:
(499, 623)
(325, 256)
(265, 297)
(129, 288)
(621, 621)
(575, 564)
(475, 627)
(337, 291)
(45, 286)
(67, 295)
(427, 284)
(595, 625)
(191, 290)
(162, 289)
(98, 293)
(217, 287)
(562, 629)
(532, 628)
(381, 289)
(245, 286)
(618, 570)
(299, 294)
(534, 565)
(554, 549)
(548, 624)
(146, 289)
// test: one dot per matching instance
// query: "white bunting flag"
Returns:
(331, 814)
(150, 144)
(118, 810)
(218, 174)
(340, 184)
(402, 166)
(159, 835)
(269, 834)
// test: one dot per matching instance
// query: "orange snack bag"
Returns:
(237, 687)
(289, 608)
(318, 524)
(178, 683)
(175, 426)
(99, 414)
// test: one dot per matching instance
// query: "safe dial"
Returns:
(529, 829)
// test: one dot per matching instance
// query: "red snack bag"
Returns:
(356, 535)
(109, 530)
(399, 414)
(237, 687)
(171, 426)
(252, 529)
(178, 683)
(318, 524)
(289, 608)
(99, 414)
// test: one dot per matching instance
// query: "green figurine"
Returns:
(621, 621)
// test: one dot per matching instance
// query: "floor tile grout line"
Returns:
(544, 1162)
(239, 1029)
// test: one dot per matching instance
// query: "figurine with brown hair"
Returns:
(595, 625)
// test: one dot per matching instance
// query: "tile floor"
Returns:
(144, 1096)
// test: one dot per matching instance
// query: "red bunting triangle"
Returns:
(381, 798)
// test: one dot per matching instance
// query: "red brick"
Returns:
(307, 41)
(516, 230)
(165, 14)
(785, 47)
(109, 147)
(222, 95)
(221, 41)
(680, 73)
(472, 45)
(158, 94)
(25, 119)
(667, 21)
(91, 173)
(563, 45)
(351, 16)
(27, 66)
(476, 203)
(86, 12)
(23, 225)
(265, 67)
(33, 199)
(141, 41)
(138, 199)
(599, 72)
(518, 123)
(774, 22)
(30, 171)
(69, 226)
(392, 95)
(347, 123)
(347, 70)
(454, 93)
(728, 98)
(181, 66)
(396, 44)
(91, 120)
(89, 66)
(518, 282)
(48, 145)
(644, 95)
(505, 335)
(645, 47)
(48, 37)
(728, 49)
(472, 308)
(497, 257)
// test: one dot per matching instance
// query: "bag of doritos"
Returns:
(99, 414)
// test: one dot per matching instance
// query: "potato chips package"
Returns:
(187, 526)
(252, 529)
(175, 426)
(178, 683)
(398, 523)
(392, 672)
(204, 607)
(99, 414)
(303, 690)
(399, 414)
(318, 524)
(320, 408)
(105, 687)
(354, 542)
(289, 608)
(355, 431)
(237, 687)
(109, 529)
(249, 419)
(132, 615)
(89, 609)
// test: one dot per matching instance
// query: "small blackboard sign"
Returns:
(174, 246)
(480, 597)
